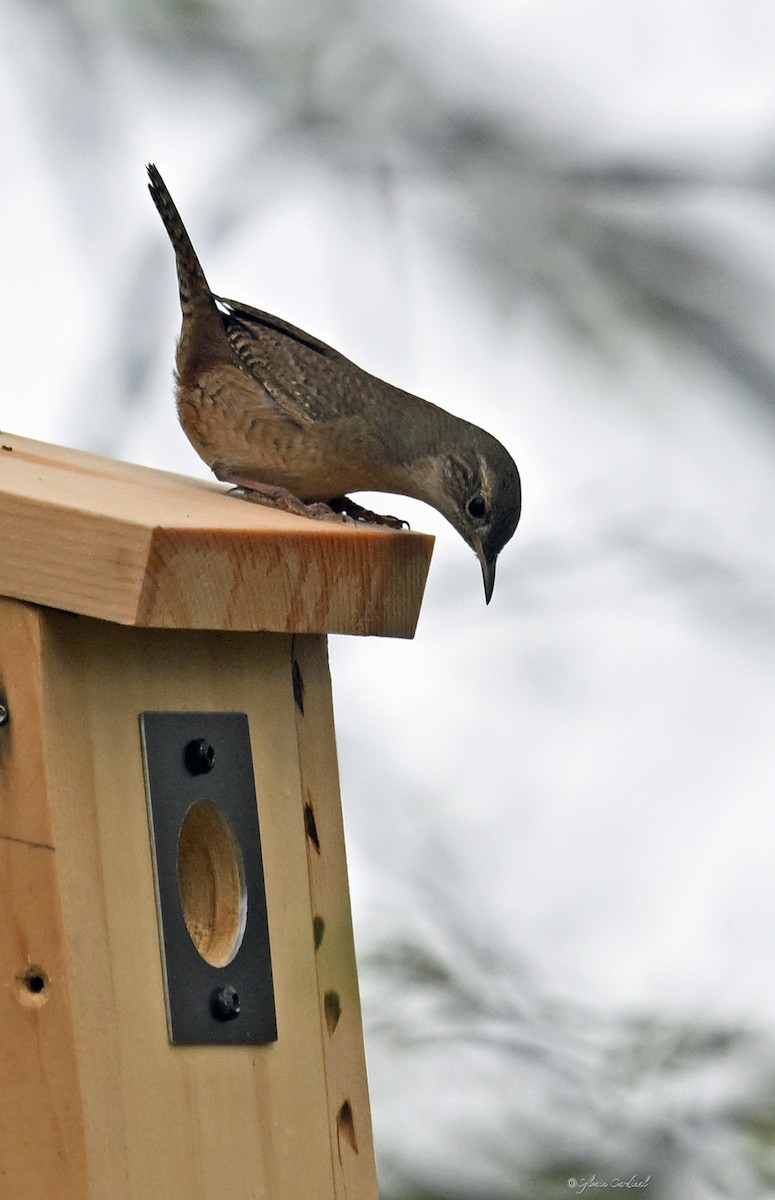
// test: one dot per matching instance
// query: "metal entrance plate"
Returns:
(209, 878)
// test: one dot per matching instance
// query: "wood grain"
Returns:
(42, 1147)
(140, 547)
(97, 1103)
(349, 1113)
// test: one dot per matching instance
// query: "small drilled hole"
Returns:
(298, 686)
(211, 883)
(332, 1009)
(345, 1126)
(311, 826)
(318, 930)
(32, 987)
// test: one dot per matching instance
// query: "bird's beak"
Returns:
(488, 571)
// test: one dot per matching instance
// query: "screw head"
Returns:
(199, 757)
(3, 715)
(224, 1003)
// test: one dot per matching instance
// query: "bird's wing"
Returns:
(258, 321)
(294, 370)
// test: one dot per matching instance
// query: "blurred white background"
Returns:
(558, 220)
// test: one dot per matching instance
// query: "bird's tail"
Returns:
(194, 290)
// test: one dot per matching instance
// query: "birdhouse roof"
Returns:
(138, 546)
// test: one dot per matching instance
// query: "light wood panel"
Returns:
(349, 1113)
(139, 547)
(42, 1147)
(97, 1105)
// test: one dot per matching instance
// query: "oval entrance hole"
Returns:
(211, 883)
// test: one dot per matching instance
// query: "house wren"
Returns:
(282, 415)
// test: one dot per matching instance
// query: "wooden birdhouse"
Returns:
(179, 1011)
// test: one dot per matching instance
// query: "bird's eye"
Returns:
(477, 508)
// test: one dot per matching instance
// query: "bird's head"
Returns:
(481, 496)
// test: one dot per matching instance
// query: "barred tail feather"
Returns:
(194, 289)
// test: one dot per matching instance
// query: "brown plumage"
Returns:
(272, 409)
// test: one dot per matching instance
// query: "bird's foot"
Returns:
(356, 512)
(280, 497)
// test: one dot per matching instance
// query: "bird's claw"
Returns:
(356, 512)
(339, 508)
(281, 498)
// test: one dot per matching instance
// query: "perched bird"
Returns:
(276, 412)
